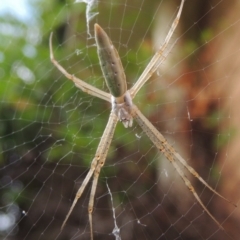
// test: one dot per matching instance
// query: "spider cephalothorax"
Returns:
(123, 110)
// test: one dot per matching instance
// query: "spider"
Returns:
(124, 110)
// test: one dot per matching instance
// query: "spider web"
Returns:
(49, 129)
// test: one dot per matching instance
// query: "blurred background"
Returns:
(49, 129)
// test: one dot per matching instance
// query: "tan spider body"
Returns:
(125, 111)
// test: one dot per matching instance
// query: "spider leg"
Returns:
(195, 174)
(96, 165)
(158, 58)
(85, 87)
(103, 148)
(81, 189)
(92, 194)
(191, 188)
(161, 143)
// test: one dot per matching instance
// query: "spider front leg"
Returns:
(96, 165)
(103, 149)
(161, 143)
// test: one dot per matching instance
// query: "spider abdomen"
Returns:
(110, 62)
